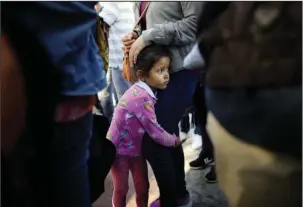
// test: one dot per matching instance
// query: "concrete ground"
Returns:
(202, 194)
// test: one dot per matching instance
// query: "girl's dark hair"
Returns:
(149, 56)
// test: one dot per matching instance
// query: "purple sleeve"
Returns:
(145, 112)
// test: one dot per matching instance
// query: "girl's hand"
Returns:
(178, 142)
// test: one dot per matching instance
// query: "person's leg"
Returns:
(138, 167)
(121, 85)
(206, 155)
(211, 175)
(171, 105)
(163, 168)
(206, 158)
(108, 96)
(168, 163)
(68, 158)
(120, 171)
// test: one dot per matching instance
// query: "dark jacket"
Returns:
(253, 55)
(65, 31)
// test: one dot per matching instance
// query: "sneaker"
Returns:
(211, 176)
(201, 163)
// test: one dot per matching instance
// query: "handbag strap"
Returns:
(142, 15)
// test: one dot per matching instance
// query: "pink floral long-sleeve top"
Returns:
(133, 116)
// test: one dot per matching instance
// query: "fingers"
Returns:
(128, 37)
(127, 46)
(128, 43)
(131, 56)
(136, 53)
(177, 142)
(130, 46)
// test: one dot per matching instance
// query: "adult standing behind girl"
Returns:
(172, 24)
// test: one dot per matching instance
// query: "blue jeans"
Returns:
(116, 87)
(120, 84)
(69, 153)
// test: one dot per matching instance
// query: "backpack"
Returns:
(251, 44)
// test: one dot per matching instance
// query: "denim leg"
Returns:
(121, 85)
(108, 96)
(69, 153)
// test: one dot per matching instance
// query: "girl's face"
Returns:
(158, 77)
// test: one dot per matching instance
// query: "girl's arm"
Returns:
(145, 112)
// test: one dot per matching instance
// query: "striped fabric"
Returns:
(120, 17)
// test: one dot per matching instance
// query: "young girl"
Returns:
(133, 117)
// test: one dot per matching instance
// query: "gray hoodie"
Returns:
(173, 24)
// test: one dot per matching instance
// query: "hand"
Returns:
(135, 49)
(98, 8)
(177, 142)
(128, 40)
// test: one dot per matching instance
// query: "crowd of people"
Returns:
(238, 65)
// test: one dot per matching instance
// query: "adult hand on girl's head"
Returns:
(128, 40)
(135, 49)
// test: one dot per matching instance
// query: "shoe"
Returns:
(182, 202)
(201, 163)
(155, 203)
(185, 202)
(211, 176)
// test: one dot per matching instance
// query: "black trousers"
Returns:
(168, 167)
(207, 149)
(168, 163)
(201, 112)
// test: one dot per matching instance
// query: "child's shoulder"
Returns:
(135, 92)
(133, 96)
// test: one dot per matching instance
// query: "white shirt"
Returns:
(194, 59)
(120, 17)
(147, 88)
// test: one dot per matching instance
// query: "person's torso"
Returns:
(122, 26)
(126, 131)
(73, 50)
(253, 44)
(168, 12)
(254, 80)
